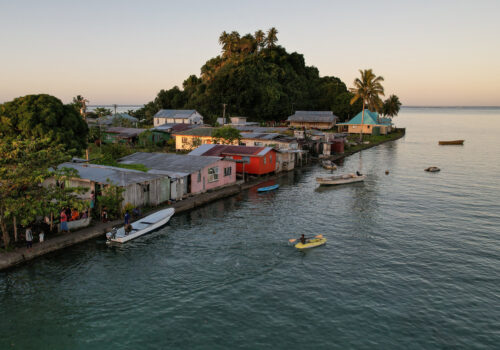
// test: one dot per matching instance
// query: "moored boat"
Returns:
(340, 179)
(432, 169)
(327, 164)
(453, 142)
(268, 188)
(141, 227)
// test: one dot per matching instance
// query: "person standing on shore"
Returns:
(29, 237)
(64, 221)
(126, 219)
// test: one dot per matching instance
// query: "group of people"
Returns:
(68, 214)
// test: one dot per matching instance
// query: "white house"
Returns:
(177, 116)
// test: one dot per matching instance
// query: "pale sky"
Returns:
(124, 52)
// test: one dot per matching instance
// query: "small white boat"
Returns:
(327, 164)
(141, 227)
(340, 179)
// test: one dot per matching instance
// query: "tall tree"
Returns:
(40, 116)
(368, 89)
(80, 104)
(391, 106)
(260, 37)
(272, 38)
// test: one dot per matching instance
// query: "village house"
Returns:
(190, 174)
(164, 132)
(278, 141)
(190, 139)
(236, 121)
(117, 119)
(250, 160)
(312, 119)
(140, 188)
(177, 116)
(372, 124)
(119, 134)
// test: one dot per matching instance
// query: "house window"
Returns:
(246, 159)
(184, 140)
(213, 174)
(227, 171)
(270, 158)
(265, 159)
(199, 176)
(258, 144)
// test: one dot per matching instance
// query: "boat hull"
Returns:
(268, 188)
(454, 142)
(339, 180)
(311, 243)
(141, 227)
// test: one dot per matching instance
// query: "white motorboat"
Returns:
(141, 227)
(340, 179)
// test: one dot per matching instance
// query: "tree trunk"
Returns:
(5, 234)
(14, 222)
(362, 121)
(51, 222)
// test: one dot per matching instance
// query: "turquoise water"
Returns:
(412, 261)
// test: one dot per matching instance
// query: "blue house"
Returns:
(372, 124)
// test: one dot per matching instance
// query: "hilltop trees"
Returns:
(256, 78)
(368, 89)
(44, 116)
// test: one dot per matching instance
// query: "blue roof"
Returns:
(370, 118)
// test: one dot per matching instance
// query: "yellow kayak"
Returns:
(311, 243)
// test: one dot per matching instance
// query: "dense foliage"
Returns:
(258, 79)
(44, 116)
(226, 135)
(24, 166)
(391, 106)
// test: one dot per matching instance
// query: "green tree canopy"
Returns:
(258, 79)
(226, 135)
(44, 116)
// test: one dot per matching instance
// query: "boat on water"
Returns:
(140, 227)
(432, 169)
(328, 164)
(340, 179)
(453, 142)
(268, 188)
(311, 243)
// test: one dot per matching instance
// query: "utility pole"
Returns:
(115, 105)
(224, 114)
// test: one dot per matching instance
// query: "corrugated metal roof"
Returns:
(108, 119)
(218, 150)
(202, 131)
(313, 117)
(170, 162)
(128, 132)
(268, 136)
(110, 175)
(172, 127)
(175, 113)
(370, 118)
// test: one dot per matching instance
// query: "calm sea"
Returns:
(412, 261)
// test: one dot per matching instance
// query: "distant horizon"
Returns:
(427, 54)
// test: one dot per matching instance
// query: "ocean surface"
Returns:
(412, 261)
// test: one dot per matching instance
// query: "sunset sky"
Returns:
(124, 52)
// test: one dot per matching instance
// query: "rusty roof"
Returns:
(219, 150)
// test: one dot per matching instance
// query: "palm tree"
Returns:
(80, 103)
(391, 106)
(272, 37)
(369, 89)
(224, 41)
(260, 38)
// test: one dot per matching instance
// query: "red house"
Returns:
(256, 160)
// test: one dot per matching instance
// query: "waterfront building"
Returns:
(190, 139)
(250, 160)
(164, 132)
(275, 140)
(190, 174)
(177, 116)
(312, 119)
(372, 124)
(119, 134)
(140, 188)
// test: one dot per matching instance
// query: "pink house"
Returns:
(188, 174)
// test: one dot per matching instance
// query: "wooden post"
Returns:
(14, 222)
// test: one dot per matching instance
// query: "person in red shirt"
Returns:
(64, 221)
